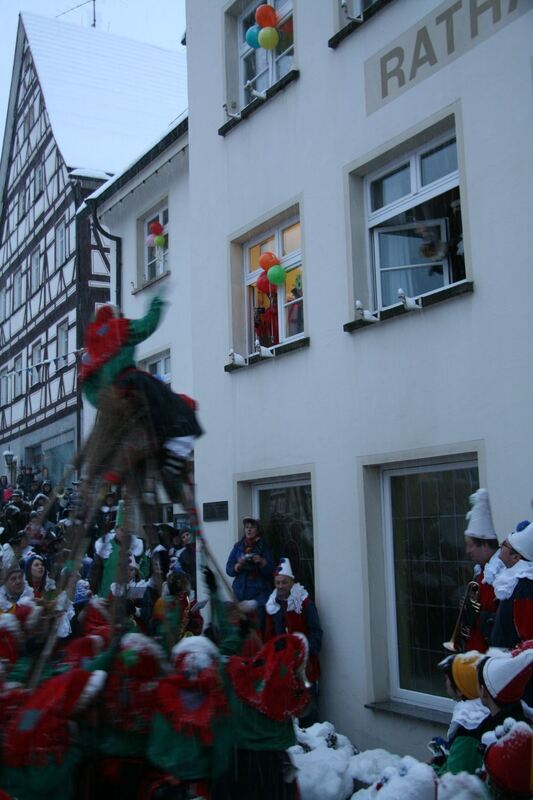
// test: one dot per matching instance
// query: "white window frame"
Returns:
(62, 344)
(4, 387)
(35, 271)
(161, 259)
(283, 12)
(34, 374)
(60, 243)
(396, 691)
(17, 376)
(418, 194)
(152, 364)
(17, 289)
(288, 262)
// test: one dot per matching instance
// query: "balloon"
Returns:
(267, 260)
(150, 240)
(264, 285)
(252, 35)
(276, 275)
(160, 241)
(156, 228)
(268, 38)
(265, 16)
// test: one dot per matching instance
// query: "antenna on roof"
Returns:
(86, 3)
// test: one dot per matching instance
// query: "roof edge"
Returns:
(112, 186)
(10, 116)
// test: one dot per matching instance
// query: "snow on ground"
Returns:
(330, 768)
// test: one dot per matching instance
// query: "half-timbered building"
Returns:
(74, 118)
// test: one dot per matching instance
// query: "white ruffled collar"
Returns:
(104, 545)
(294, 602)
(492, 568)
(506, 580)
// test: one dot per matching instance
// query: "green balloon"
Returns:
(159, 241)
(268, 38)
(276, 275)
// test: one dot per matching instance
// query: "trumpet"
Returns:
(468, 614)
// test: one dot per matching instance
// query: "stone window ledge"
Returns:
(353, 25)
(151, 282)
(279, 350)
(422, 713)
(449, 292)
(256, 103)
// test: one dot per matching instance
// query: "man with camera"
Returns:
(251, 564)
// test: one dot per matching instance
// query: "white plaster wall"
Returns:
(162, 179)
(458, 372)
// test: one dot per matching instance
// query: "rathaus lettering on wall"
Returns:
(445, 34)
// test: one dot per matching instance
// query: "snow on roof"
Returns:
(106, 95)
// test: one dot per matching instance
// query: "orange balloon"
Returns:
(267, 260)
(265, 16)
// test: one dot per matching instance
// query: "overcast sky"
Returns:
(159, 22)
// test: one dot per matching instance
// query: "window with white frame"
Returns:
(35, 271)
(414, 224)
(155, 244)
(262, 66)
(60, 243)
(4, 387)
(274, 311)
(159, 366)
(34, 374)
(62, 344)
(22, 204)
(17, 289)
(426, 566)
(17, 376)
(285, 510)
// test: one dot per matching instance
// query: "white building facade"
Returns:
(374, 157)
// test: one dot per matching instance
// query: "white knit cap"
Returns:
(522, 542)
(479, 518)
(284, 568)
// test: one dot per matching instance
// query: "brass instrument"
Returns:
(468, 614)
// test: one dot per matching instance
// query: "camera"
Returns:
(249, 556)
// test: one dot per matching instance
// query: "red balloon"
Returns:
(264, 285)
(156, 228)
(267, 260)
(265, 16)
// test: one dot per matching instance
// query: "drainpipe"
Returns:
(91, 203)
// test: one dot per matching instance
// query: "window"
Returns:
(35, 364)
(424, 512)
(3, 304)
(413, 219)
(35, 271)
(61, 243)
(21, 210)
(17, 377)
(159, 366)
(274, 313)
(4, 387)
(28, 121)
(155, 253)
(17, 289)
(285, 509)
(62, 344)
(38, 186)
(260, 68)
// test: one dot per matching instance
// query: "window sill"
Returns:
(151, 282)
(455, 290)
(353, 24)
(256, 103)
(400, 709)
(279, 350)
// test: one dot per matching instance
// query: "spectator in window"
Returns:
(481, 545)
(513, 587)
(289, 609)
(251, 564)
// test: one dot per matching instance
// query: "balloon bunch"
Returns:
(264, 33)
(156, 237)
(273, 274)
